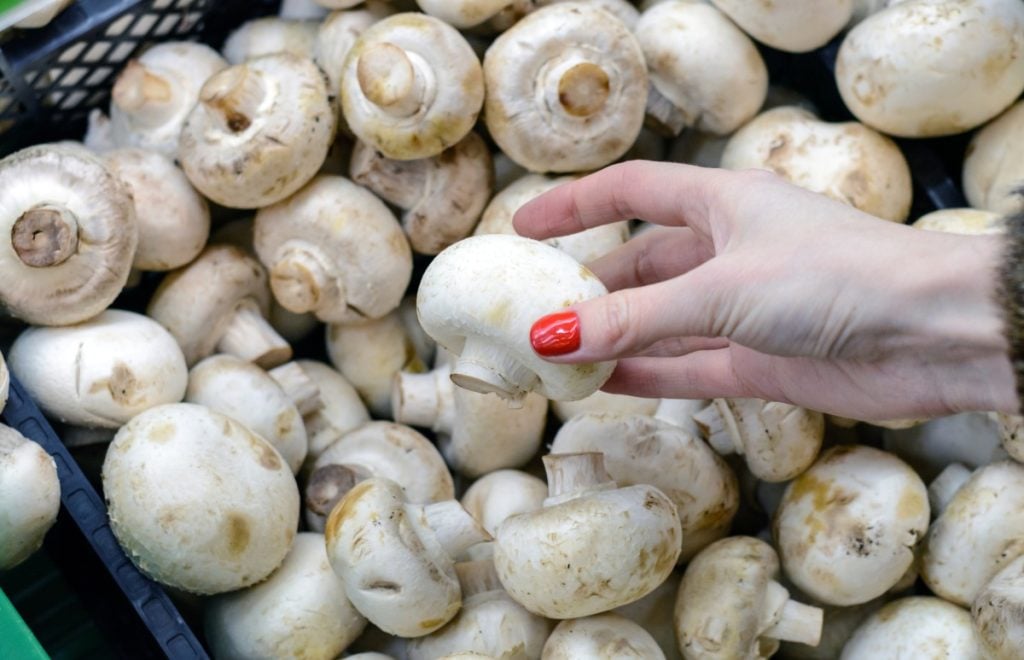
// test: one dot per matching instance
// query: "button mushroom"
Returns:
(593, 547)
(498, 495)
(606, 636)
(470, 302)
(998, 612)
(992, 174)
(566, 89)
(198, 501)
(1011, 432)
(335, 38)
(915, 627)
(795, 26)
(603, 403)
(396, 558)
(342, 410)
(961, 221)
(29, 497)
(268, 36)
(70, 235)
(847, 528)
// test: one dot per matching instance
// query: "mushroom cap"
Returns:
(270, 35)
(992, 173)
(436, 61)
(998, 612)
(498, 495)
(603, 403)
(1011, 431)
(796, 26)
(343, 410)
(334, 249)
(101, 372)
(173, 219)
(624, 10)
(29, 496)
(198, 501)
(846, 529)
(63, 210)
(606, 636)
(961, 221)
(300, 611)
(464, 13)
(706, 66)
(847, 161)
(335, 38)
(925, 68)
(470, 295)
(913, 626)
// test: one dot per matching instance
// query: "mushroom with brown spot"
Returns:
(29, 496)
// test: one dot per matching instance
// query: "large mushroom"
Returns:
(796, 26)
(605, 636)
(992, 175)
(998, 612)
(916, 627)
(29, 496)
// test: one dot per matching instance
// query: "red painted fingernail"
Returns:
(556, 334)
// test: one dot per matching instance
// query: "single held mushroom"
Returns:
(979, 530)
(642, 450)
(336, 36)
(605, 636)
(731, 606)
(397, 558)
(154, 93)
(219, 303)
(498, 495)
(268, 36)
(198, 501)
(334, 249)
(847, 528)
(795, 26)
(778, 441)
(173, 220)
(477, 433)
(566, 89)
(1011, 433)
(29, 496)
(603, 403)
(342, 410)
(260, 131)
(924, 68)
(998, 612)
(411, 87)
(916, 627)
(470, 302)
(992, 174)
(300, 611)
(443, 195)
(847, 161)
(593, 547)
(70, 235)
(654, 613)
(376, 449)
(961, 221)
(705, 72)
(101, 372)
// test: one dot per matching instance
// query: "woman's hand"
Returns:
(754, 287)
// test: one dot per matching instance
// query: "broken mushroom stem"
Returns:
(300, 280)
(572, 475)
(398, 81)
(235, 96)
(298, 386)
(486, 367)
(249, 336)
(146, 95)
(45, 236)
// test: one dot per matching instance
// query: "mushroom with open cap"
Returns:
(593, 547)
(300, 611)
(341, 411)
(605, 636)
(498, 495)
(731, 606)
(992, 174)
(566, 89)
(603, 403)
(69, 235)
(961, 221)
(795, 26)
(198, 501)
(219, 303)
(29, 496)
(101, 372)
(260, 131)
(998, 612)
(270, 35)
(470, 301)
(916, 627)
(847, 528)
(396, 558)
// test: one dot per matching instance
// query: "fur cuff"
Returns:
(1011, 296)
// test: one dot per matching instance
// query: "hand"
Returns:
(754, 287)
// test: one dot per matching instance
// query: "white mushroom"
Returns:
(198, 501)
(992, 174)
(69, 235)
(497, 496)
(335, 38)
(654, 612)
(342, 410)
(270, 35)
(624, 10)
(470, 301)
(642, 450)
(300, 611)
(259, 132)
(961, 221)
(1011, 432)
(796, 26)
(593, 547)
(603, 403)
(102, 372)
(396, 558)
(847, 528)
(566, 89)
(606, 636)
(969, 438)
(847, 161)
(466, 13)
(998, 612)
(917, 627)
(29, 496)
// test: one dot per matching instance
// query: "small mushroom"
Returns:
(29, 496)
(654, 613)
(847, 528)
(916, 627)
(300, 611)
(593, 547)
(498, 495)
(335, 38)
(992, 175)
(605, 636)
(1011, 433)
(998, 613)
(961, 221)
(411, 87)
(198, 501)
(101, 372)
(470, 302)
(69, 235)
(397, 558)
(335, 250)
(154, 93)
(566, 89)
(642, 450)
(443, 195)
(795, 26)
(218, 303)
(603, 403)
(847, 161)
(969, 438)
(731, 606)
(268, 36)
(260, 131)
(342, 410)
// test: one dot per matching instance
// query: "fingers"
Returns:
(676, 346)
(700, 375)
(656, 255)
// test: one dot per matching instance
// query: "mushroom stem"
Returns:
(45, 236)
(577, 86)
(662, 115)
(942, 489)
(424, 400)
(235, 96)
(797, 623)
(454, 528)
(396, 80)
(717, 423)
(300, 281)
(329, 484)
(574, 474)
(300, 388)
(147, 96)
(477, 577)
(486, 367)
(250, 337)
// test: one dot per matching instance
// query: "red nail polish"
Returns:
(556, 334)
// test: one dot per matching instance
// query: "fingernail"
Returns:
(556, 334)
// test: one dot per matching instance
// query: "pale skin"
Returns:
(753, 287)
